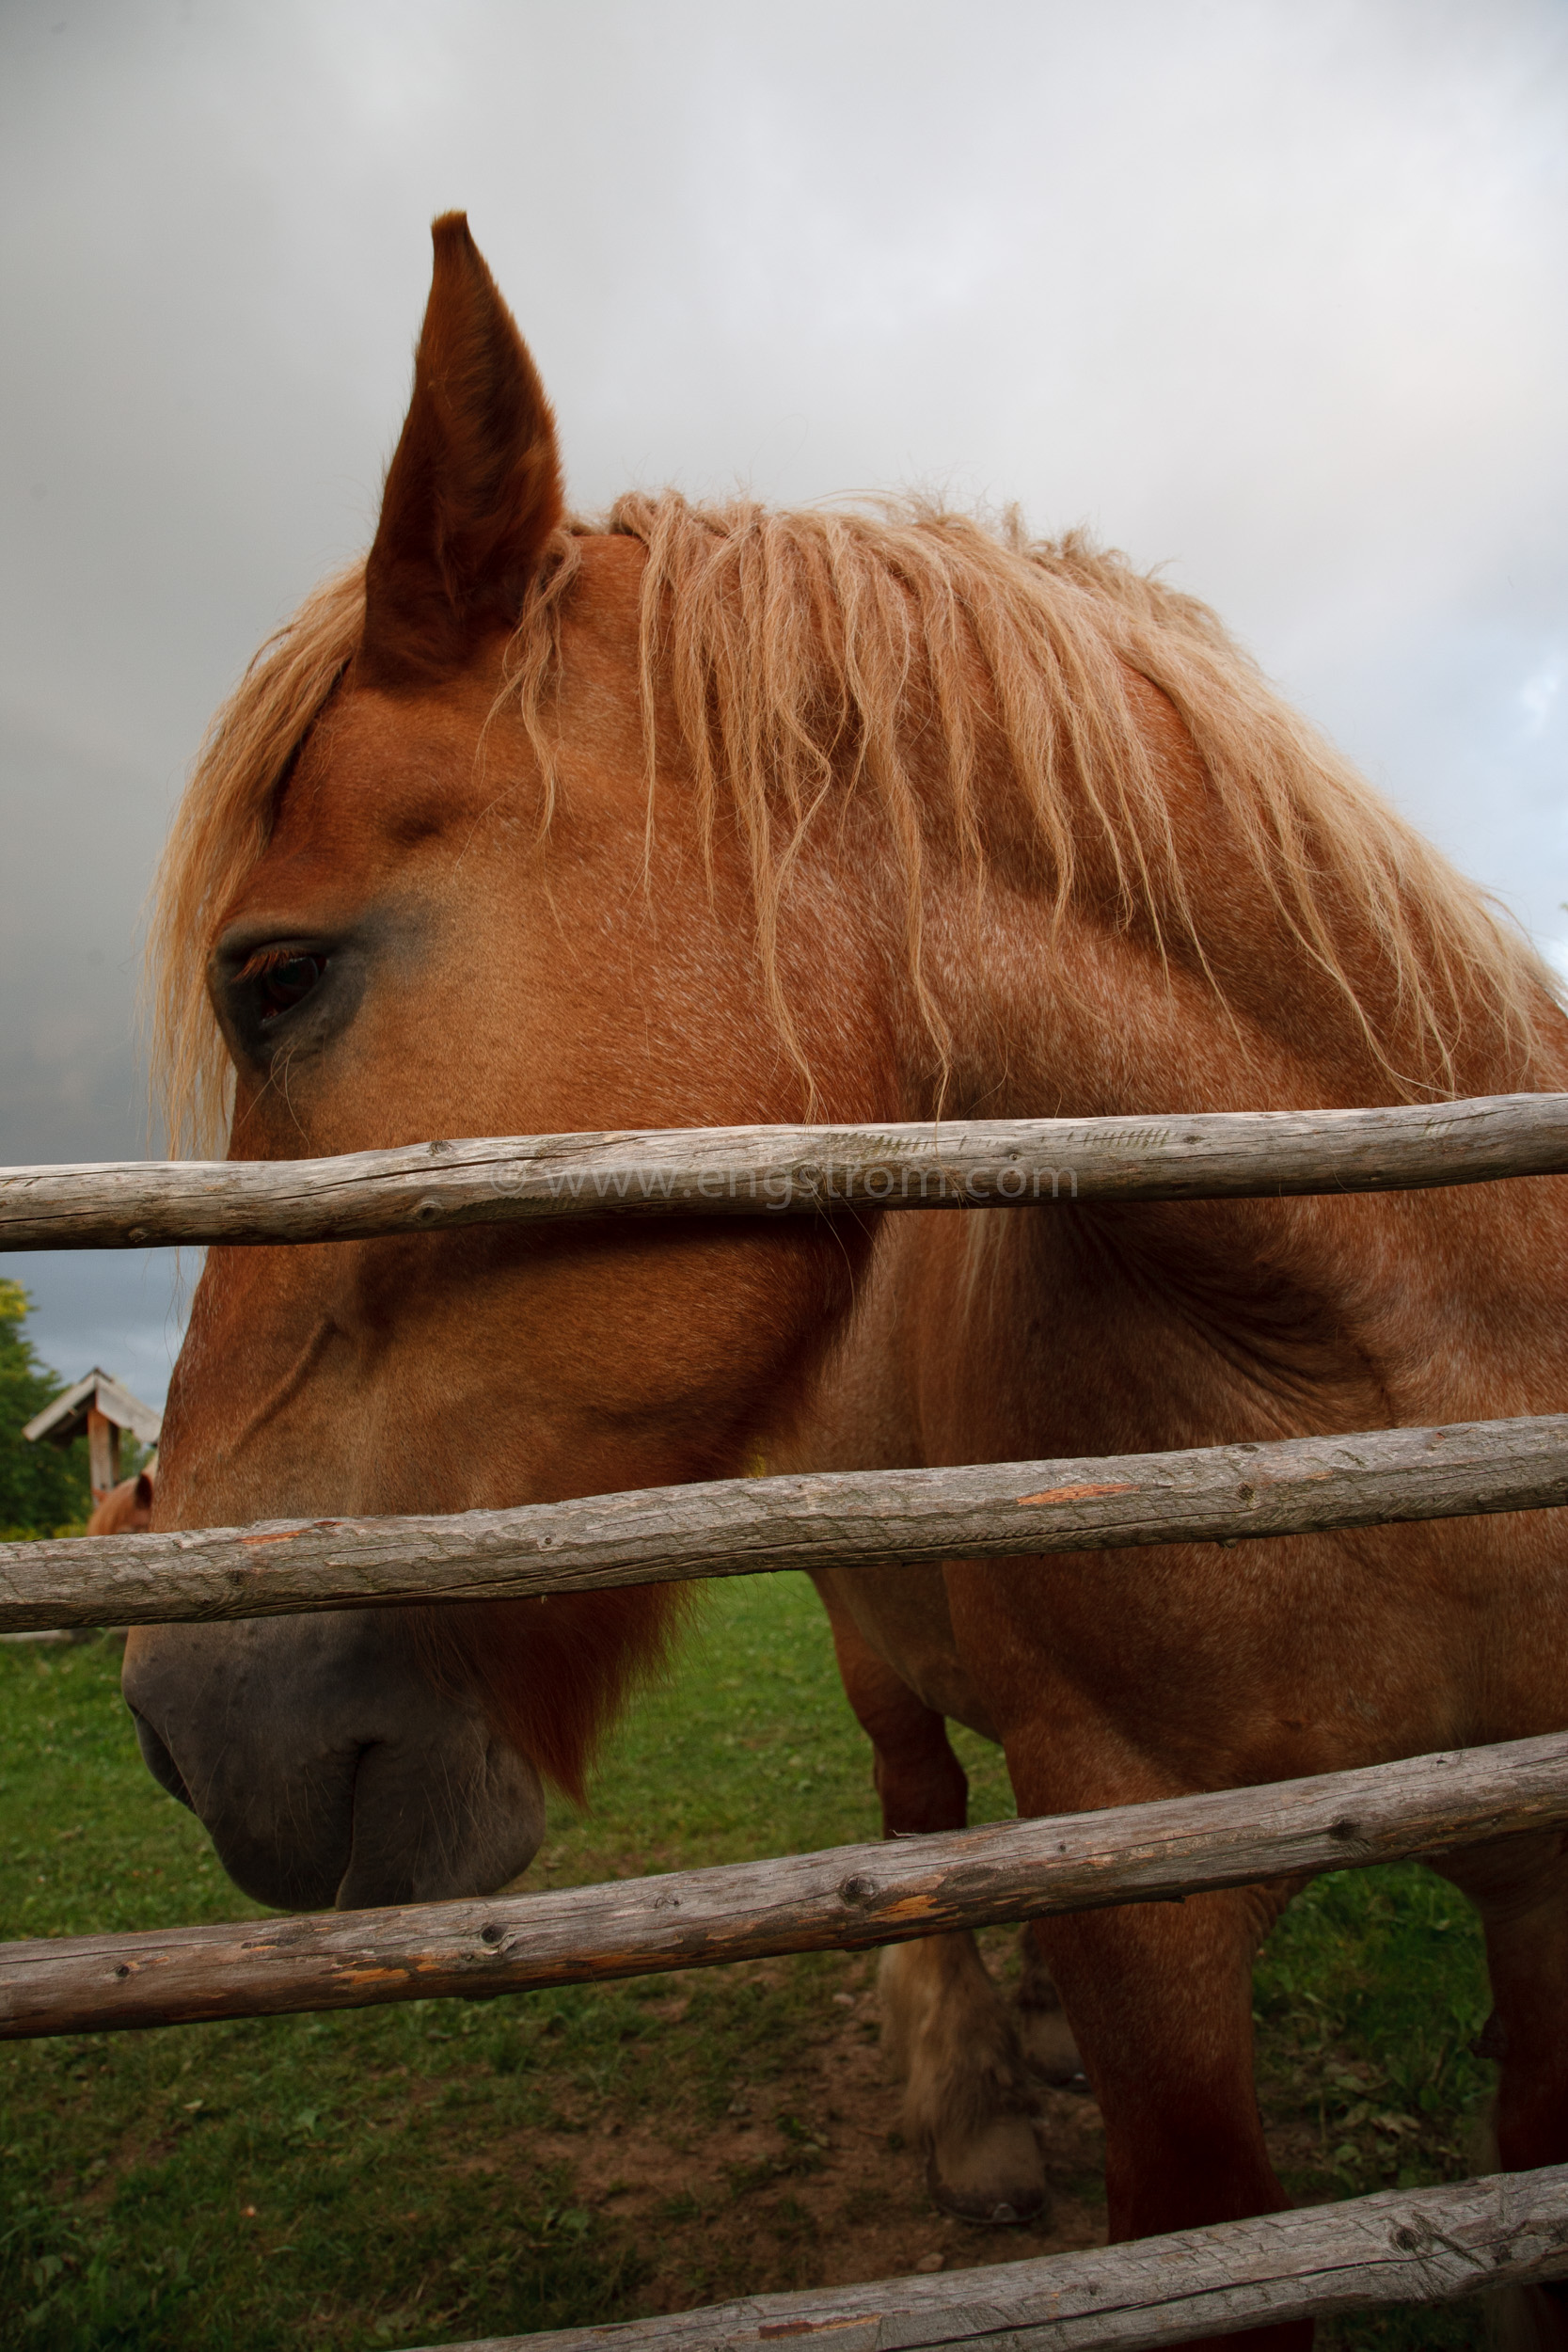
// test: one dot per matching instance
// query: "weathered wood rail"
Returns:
(759, 1171)
(843, 1900)
(1402, 2245)
(746, 1526)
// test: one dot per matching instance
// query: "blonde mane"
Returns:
(794, 646)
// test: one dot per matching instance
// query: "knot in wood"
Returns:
(858, 1893)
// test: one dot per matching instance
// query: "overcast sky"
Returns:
(1271, 291)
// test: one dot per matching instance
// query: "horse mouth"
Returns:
(159, 1762)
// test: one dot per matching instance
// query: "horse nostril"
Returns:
(159, 1762)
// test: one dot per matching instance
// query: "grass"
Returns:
(438, 2170)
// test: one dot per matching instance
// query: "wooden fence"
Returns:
(843, 1900)
(1417, 2246)
(763, 1171)
(1403, 2246)
(745, 1526)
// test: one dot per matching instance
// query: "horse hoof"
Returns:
(996, 2181)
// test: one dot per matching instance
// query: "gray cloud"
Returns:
(1273, 295)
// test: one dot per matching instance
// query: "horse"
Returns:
(125, 1509)
(721, 815)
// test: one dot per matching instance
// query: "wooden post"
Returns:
(102, 1452)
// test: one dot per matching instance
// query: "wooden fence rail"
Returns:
(744, 1526)
(843, 1900)
(1402, 2245)
(759, 1171)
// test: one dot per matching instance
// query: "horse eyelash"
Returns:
(265, 959)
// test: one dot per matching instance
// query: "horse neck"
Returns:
(1173, 1325)
(1105, 1007)
(1079, 1017)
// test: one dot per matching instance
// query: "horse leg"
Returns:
(967, 2102)
(1159, 1998)
(1519, 1885)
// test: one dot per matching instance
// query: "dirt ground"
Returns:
(808, 2181)
(805, 2182)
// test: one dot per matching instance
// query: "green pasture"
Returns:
(370, 2179)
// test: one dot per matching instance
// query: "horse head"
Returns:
(455, 906)
(126, 1509)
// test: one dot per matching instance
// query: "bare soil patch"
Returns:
(804, 2181)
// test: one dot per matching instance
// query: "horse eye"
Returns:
(280, 980)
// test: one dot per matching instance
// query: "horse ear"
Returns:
(474, 491)
(144, 1490)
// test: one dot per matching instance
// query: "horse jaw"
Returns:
(324, 1767)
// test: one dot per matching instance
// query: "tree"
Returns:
(45, 1489)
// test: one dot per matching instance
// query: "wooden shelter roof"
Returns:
(67, 1418)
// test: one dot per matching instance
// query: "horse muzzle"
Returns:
(324, 1767)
